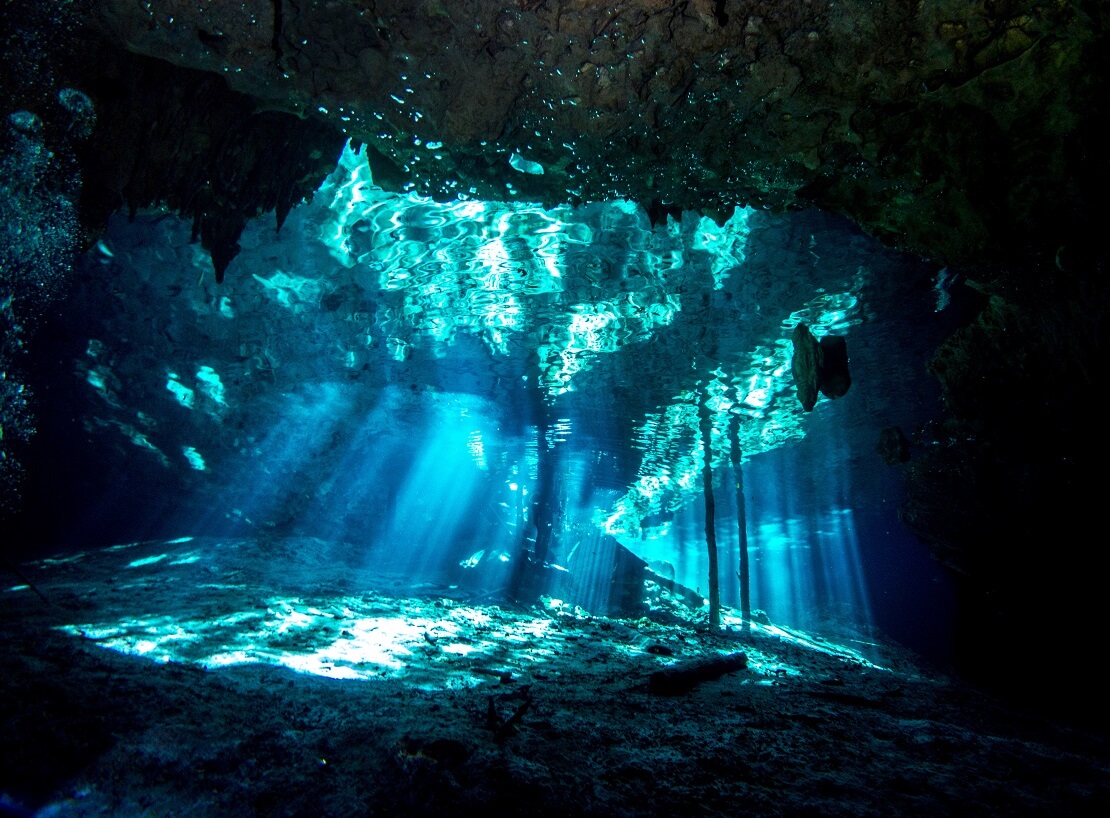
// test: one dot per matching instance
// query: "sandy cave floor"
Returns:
(269, 678)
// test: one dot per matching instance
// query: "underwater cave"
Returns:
(457, 407)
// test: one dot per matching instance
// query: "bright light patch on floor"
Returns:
(459, 649)
(341, 638)
(426, 643)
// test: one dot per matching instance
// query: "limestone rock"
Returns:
(805, 364)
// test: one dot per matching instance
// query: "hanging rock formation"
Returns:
(819, 366)
(834, 380)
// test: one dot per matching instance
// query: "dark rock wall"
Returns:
(41, 123)
(1009, 492)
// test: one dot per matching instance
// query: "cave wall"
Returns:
(1007, 490)
(150, 133)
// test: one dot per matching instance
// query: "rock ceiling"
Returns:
(948, 128)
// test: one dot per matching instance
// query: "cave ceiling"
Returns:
(960, 131)
(972, 134)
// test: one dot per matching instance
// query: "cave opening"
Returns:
(499, 394)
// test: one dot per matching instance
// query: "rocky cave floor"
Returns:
(280, 678)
